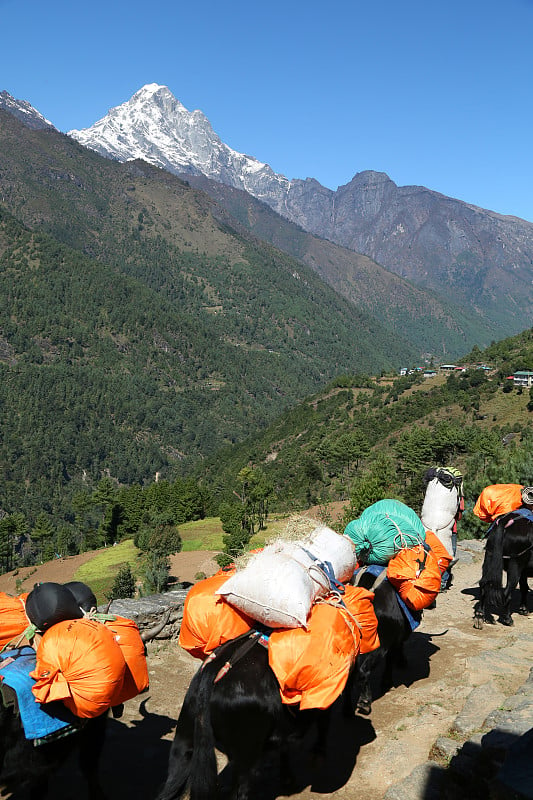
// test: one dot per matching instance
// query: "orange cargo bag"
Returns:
(359, 603)
(129, 640)
(312, 666)
(13, 619)
(444, 559)
(80, 663)
(498, 499)
(208, 620)
(414, 572)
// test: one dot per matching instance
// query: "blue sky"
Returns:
(433, 94)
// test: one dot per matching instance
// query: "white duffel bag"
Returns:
(273, 588)
(278, 585)
(330, 547)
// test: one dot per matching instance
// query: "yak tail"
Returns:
(491, 575)
(203, 769)
(181, 752)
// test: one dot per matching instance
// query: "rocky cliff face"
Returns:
(431, 239)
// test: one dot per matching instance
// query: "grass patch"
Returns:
(99, 573)
(207, 534)
(202, 534)
(192, 545)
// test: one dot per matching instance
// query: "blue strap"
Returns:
(524, 512)
(327, 568)
(413, 617)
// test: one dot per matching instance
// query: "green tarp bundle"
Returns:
(383, 529)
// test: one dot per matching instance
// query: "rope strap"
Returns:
(253, 638)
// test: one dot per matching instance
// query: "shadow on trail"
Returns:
(417, 651)
(324, 771)
(133, 763)
(472, 591)
(499, 766)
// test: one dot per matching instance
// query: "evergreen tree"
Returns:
(123, 585)
(156, 573)
(42, 535)
(376, 483)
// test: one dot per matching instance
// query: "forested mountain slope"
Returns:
(441, 324)
(139, 331)
(125, 213)
(372, 438)
(476, 257)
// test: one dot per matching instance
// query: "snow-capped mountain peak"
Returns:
(24, 111)
(155, 126)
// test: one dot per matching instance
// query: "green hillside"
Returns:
(436, 324)
(369, 438)
(139, 331)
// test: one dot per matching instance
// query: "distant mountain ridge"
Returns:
(478, 262)
(25, 112)
(471, 254)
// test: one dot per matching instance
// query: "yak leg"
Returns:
(524, 590)
(481, 611)
(247, 770)
(92, 739)
(513, 576)
(394, 658)
(361, 689)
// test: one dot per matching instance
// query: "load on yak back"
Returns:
(391, 537)
(502, 498)
(293, 597)
(442, 508)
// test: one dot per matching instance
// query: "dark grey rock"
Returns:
(445, 748)
(148, 612)
(424, 783)
(515, 779)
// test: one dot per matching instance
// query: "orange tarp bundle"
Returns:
(80, 663)
(359, 603)
(498, 499)
(208, 620)
(129, 640)
(312, 666)
(444, 559)
(13, 619)
(415, 575)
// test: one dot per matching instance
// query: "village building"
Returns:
(523, 379)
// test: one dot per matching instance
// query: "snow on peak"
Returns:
(151, 88)
(153, 125)
(24, 111)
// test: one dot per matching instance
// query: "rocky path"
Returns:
(461, 686)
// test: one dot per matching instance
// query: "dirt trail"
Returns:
(447, 660)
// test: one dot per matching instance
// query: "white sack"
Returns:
(327, 545)
(439, 510)
(273, 588)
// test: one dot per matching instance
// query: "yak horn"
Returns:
(150, 634)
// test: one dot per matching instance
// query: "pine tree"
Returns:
(123, 585)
